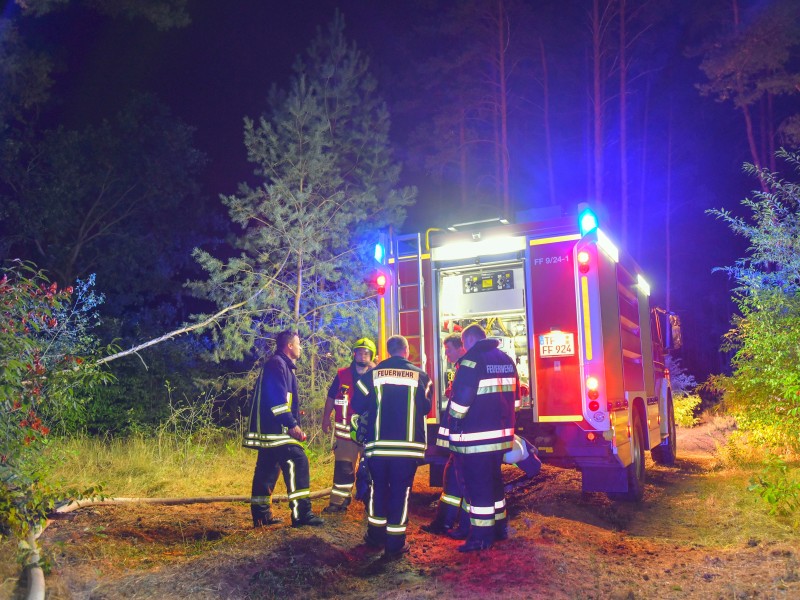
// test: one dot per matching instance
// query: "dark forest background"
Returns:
(122, 125)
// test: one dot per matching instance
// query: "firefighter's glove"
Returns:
(358, 429)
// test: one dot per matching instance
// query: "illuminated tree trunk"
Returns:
(623, 121)
(551, 180)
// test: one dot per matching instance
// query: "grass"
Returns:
(165, 466)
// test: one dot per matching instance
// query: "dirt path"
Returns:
(696, 535)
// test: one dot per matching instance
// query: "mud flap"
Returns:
(599, 479)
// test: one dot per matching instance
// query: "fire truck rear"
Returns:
(572, 311)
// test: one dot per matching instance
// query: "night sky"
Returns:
(219, 69)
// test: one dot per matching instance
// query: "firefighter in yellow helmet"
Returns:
(346, 452)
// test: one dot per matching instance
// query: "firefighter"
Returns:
(450, 502)
(394, 398)
(274, 431)
(346, 451)
(481, 424)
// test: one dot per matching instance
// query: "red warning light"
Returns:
(380, 284)
(583, 261)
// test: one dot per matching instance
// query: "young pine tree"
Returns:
(327, 187)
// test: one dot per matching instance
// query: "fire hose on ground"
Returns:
(36, 583)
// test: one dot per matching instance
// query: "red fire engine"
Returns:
(572, 311)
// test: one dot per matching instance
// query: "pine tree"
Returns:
(327, 189)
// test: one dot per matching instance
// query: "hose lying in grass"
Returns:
(168, 501)
(36, 587)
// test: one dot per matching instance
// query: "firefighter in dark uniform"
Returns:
(346, 451)
(450, 502)
(395, 398)
(275, 432)
(481, 424)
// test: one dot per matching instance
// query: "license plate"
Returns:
(556, 343)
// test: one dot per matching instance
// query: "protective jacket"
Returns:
(341, 391)
(275, 407)
(443, 434)
(396, 396)
(481, 409)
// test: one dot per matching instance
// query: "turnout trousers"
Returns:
(346, 454)
(387, 514)
(483, 494)
(452, 495)
(290, 459)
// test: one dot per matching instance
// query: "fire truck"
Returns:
(572, 311)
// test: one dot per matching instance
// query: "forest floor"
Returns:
(698, 534)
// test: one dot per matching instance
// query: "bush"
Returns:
(47, 363)
(685, 408)
(763, 393)
(776, 486)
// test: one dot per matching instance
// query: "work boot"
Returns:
(335, 508)
(265, 521)
(308, 518)
(501, 530)
(462, 530)
(372, 542)
(475, 544)
(395, 554)
(436, 527)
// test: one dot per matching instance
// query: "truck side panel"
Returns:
(553, 306)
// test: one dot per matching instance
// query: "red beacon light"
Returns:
(380, 284)
(583, 261)
(593, 391)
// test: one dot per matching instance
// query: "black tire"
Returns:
(635, 471)
(666, 452)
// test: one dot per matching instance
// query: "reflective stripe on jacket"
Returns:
(396, 396)
(275, 407)
(341, 403)
(481, 410)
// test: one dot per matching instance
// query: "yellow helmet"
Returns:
(366, 343)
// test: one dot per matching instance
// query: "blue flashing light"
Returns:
(379, 253)
(587, 221)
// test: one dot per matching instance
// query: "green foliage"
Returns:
(685, 407)
(684, 400)
(327, 188)
(764, 390)
(744, 63)
(47, 365)
(776, 486)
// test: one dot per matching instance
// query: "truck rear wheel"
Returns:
(666, 451)
(635, 471)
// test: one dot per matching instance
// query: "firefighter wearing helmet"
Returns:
(346, 452)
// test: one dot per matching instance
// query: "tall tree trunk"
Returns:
(748, 119)
(298, 291)
(462, 156)
(623, 116)
(668, 213)
(502, 47)
(597, 100)
(643, 172)
(771, 131)
(551, 179)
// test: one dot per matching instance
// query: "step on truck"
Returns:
(573, 312)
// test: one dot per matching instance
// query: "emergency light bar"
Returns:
(587, 221)
(484, 247)
(643, 285)
(607, 246)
